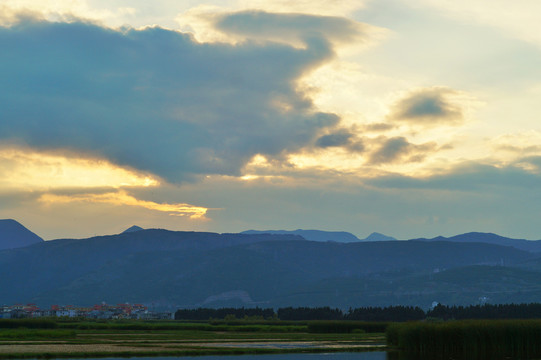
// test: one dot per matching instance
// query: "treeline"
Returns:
(370, 314)
(391, 313)
(487, 311)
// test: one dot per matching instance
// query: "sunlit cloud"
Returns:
(30, 170)
(522, 143)
(60, 10)
(358, 96)
(122, 198)
(209, 23)
(314, 7)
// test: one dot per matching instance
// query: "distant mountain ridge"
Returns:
(172, 269)
(375, 236)
(490, 238)
(14, 235)
(312, 235)
(320, 235)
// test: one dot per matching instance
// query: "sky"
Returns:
(410, 118)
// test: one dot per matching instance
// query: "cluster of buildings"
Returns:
(102, 311)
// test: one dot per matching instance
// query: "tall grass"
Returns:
(468, 339)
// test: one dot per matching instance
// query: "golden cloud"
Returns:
(122, 198)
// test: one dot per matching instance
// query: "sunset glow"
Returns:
(27, 170)
(352, 115)
(122, 198)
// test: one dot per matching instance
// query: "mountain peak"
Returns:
(133, 228)
(14, 235)
(375, 236)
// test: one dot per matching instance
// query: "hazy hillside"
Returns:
(169, 269)
(319, 235)
(14, 235)
(312, 235)
(489, 238)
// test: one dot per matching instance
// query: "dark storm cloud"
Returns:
(428, 106)
(157, 100)
(400, 149)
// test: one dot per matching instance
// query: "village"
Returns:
(102, 311)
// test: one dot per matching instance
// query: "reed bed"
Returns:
(468, 339)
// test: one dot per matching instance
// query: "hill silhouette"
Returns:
(14, 235)
(171, 269)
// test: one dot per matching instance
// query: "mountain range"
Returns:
(171, 269)
(318, 235)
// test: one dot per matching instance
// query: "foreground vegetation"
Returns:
(243, 332)
(468, 339)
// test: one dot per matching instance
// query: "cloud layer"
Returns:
(157, 100)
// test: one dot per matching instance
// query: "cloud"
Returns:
(314, 7)
(473, 176)
(290, 28)
(378, 127)
(429, 107)
(121, 198)
(398, 148)
(158, 101)
(340, 138)
(526, 142)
